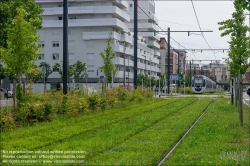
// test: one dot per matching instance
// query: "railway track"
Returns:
(166, 155)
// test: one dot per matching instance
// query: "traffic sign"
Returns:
(174, 77)
(180, 79)
(101, 77)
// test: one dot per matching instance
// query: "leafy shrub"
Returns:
(93, 101)
(19, 93)
(188, 90)
(123, 95)
(112, 97)
(103, 103)
(64, 107)
(48, 111)
(58, 86)
(7, 122)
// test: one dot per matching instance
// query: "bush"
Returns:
(188, 90)
(93, 101)
(64, 107)
(7, 122)
(48, 111)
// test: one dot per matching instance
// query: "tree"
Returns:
(22, 50)
(48, 70)
(34, 74)
(8, 11)
(239, 47)
(78, 70)
(245, 4)
(108, 55)
(2, 74)
(57, 67)
(140, 77)
(240, 43)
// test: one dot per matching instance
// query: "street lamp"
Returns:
(145, 65)
(124, 78)
(150, 74)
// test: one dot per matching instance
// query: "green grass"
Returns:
(140, 134)
(106, 138)
(148, 146)
(39, 135)
(217, 139)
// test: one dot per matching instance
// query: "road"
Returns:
(246, 98)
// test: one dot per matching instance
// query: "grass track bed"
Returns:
(148, 146)
(107, 138)
(30, 138)
(217, 139)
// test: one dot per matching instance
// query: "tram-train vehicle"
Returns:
(202, 84)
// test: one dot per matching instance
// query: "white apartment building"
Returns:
(89, 24)
(146, 22)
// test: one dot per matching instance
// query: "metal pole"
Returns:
(159, 89)
(168, 60)
(65, 46)
(184, 84)
(128, 69)
(124, 81)
(142, 83)
(190, 73)
(44, 72)
(150, 75)
(135, 42)
(178, 70)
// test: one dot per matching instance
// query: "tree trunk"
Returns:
(14, 94)
(240, 100)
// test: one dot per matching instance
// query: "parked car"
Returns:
(248, 91)
(10, 93)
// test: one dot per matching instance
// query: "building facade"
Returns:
(175, 54)
(89, 25)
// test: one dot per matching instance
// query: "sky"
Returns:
(173, 13)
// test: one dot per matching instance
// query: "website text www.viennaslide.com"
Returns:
(43, 157)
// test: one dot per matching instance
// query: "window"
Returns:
(71, 43)
(103, 3)
(90, 43)
(40, 32)
(55, 69)
(72, 17)
(41, 43)
(55, 43)
(130, 7)
(90, 68)
(71, 31)
(41, 57)
(104, 16)
(71, 56)
(55, 31)
(55, 56)
(90, 56)
(60, 18)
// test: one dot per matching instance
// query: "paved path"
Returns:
(8, 102)
(246, 98)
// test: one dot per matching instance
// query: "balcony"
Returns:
(153, 44)
(114, 22)
(121, 3)
(100, 35)
(149, 34)
(89, 10)
(157, 53)
(118, 48)
(149, 26)
(127, 38)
